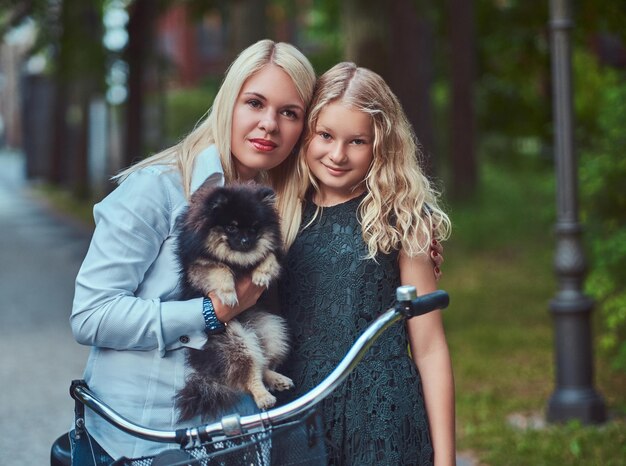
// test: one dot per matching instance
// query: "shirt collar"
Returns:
(207, 166)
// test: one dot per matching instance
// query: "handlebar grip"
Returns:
(412, 305)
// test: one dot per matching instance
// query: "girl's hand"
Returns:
(436, 255)
(247, 294)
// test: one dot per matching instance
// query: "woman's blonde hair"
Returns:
(215, 127)
(400, 210)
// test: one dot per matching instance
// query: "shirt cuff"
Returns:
(182, 324)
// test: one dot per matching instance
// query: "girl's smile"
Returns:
(335, 171)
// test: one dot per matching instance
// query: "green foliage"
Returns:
(500, 277)
(64, 202)
(323, 34)
(513, 88)
(513, 66)
(82, 50)
(185, 107)
(603, 198)
(504, 225)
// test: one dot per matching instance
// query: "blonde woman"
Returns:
(368, 220)
(126, 304)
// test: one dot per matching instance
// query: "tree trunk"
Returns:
(365, 27)
(395, 40)
(78, 73)
(59, 139)
(248, 24)
(412, 66)
(142, 14)
(462, 115)
(80, 173)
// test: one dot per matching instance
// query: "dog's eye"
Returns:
(231, 229)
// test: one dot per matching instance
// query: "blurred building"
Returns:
(192, 49)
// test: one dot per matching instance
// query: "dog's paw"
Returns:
(227, 297)
(267, 271)
(278, 382)
(262, 278)
(264, 400)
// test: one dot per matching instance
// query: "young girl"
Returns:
(126, 304)
(368, 219)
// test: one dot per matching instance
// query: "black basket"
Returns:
(299, 442)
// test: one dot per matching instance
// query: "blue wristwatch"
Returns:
(211, 323)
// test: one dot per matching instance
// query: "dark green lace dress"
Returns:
(329, 294)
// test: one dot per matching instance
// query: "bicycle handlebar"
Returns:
(412, 305)
(408, 305)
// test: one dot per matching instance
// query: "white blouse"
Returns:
(126, 308)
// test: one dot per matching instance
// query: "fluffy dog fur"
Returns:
(227, 232)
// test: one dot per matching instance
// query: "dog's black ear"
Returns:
(217, 200)
(203, 192)
(265, 193)
(201, 204)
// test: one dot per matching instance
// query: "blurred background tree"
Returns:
(106, 82)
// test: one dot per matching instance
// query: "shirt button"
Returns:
(184, 339)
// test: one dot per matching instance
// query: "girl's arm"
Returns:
(429, 349)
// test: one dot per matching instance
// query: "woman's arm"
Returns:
(430, 352)
(132, 225)
(247, 296)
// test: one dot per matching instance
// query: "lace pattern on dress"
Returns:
(329, 294)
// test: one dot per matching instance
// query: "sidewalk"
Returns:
(40, 255)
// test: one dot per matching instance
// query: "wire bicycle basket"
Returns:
(297, 442)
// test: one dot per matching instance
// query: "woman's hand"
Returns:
(247, 295)
(436, 255)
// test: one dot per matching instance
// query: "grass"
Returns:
(63, 201)
(499, 274)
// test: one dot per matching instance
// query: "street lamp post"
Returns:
(574, 396)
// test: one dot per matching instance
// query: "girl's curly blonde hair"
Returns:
(400, 210)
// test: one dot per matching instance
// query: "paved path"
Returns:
(39, 257)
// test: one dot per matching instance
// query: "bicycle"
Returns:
(287, 435)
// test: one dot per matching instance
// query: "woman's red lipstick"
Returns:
(263, 145)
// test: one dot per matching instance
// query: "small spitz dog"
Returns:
(227, 232)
